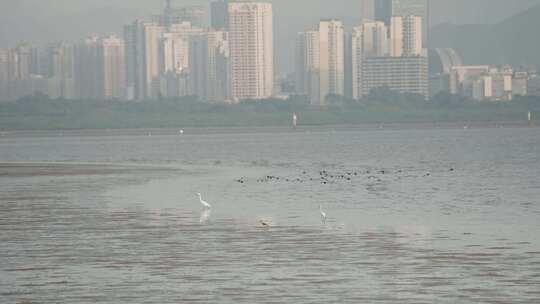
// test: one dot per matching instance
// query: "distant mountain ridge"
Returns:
(514, 41)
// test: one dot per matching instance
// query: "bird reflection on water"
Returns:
(205, 216)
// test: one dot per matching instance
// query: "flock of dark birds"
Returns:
(326, 177)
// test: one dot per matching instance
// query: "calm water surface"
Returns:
(414, 216)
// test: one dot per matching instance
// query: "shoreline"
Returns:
(262, 129)
(9, 169)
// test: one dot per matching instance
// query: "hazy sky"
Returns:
(39, 21)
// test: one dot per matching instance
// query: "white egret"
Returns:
(205, 204)
(323, 214)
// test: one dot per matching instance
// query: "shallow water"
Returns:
(414, 216)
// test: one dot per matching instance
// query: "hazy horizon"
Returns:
(278, 158)
(22, 18)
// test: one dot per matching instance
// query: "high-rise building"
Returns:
(35, 61)
(402, 74)
(20, 62)
(300, 64)
(209, 65)
(195, 14)
(348, 59)
(307, 65)
(4, 76)
(396, 36)
(158, 59)
(19, 73)
(135, 60)
(60, 63)
(184, 30)
(181, 61)
(100, 69)
(383, 11)
(394, 59)
(413, 34)
(61, 60)
(406, 36)
(217, 78)
(174, 53)
(219, 14)
(152, 58)
(320, 59)
(375, 39)
(357, 59)
(367, 10)
(252, 50)
(198, 62)
(418, 8)
(112, 51)
(331, 59)
(89, 69)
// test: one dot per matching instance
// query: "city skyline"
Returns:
(176, 54)
(22, 20)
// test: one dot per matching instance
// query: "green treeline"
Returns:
(382, 106)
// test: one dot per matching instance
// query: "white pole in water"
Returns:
(295, 120)
(529, 116)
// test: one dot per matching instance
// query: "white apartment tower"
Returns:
(251, 50)
(331, 58)
(58, 68)
(152, 33)
(174, 53)
(307, 69)
(396, 36)
(413, 8)
(406, 36)
(375, 38)
(114, 68)
(320, 59)
(413, 36)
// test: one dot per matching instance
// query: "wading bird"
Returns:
(323, 214)
(205, 204)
